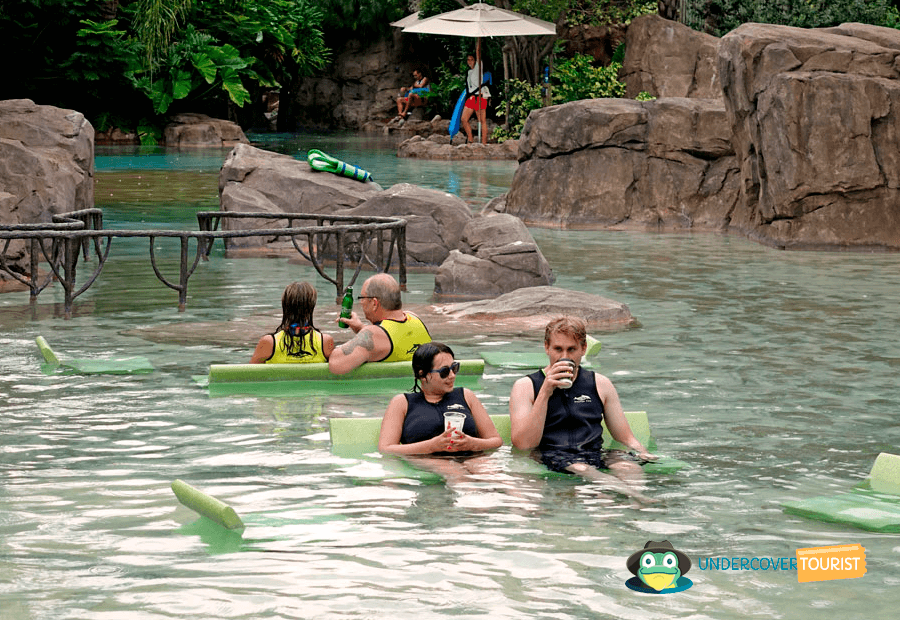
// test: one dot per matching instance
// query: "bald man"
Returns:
(393, 336)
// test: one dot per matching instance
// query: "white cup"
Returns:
(454, 420)
(567, 381)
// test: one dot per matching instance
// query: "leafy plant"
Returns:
(576, 78)
(522, 98)
(445, 89)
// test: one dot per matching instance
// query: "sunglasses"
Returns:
(445, 371)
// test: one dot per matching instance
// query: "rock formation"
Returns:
(537, 305)
(188, 130)
(435, 220)
(668, 59)
(799, 150)
(816, 122)
(663, 164)
(256, 180)
(497, 255)
(439, 147)
(46, 165)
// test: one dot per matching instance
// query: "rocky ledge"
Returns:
(440, 147)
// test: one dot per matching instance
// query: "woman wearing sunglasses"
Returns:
(414, 421)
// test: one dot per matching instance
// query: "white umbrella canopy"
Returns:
(482, 20)
(409, 20)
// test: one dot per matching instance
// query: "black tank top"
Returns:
(573, 415)
(425, 420)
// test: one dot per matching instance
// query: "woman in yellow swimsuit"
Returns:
(296, 341)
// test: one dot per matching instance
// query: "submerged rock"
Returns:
(532, 308)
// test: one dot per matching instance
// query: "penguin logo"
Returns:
(658, 568)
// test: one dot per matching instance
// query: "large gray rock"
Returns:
(816, 118)
(667, 59)
(252, 179)
(46, 165)
(535, 306)
(663, 164)
(427, 148)
(361, 85)
(435, 220)
(497, 255)
(188, 130)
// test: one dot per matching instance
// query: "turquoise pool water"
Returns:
(772, 373)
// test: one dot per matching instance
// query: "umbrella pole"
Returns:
(480, 78)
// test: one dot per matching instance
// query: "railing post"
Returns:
(401, 256)
(71, 248)
(339, 266)
(182, 281)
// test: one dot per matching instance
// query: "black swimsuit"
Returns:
(425, 420)
(572, 428)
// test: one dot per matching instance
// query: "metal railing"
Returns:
(331, 237)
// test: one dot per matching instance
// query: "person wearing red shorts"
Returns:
(475, 104)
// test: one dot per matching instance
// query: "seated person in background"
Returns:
(296, 341)
(411, 96)
(563, 422)
(414, 421)
(393, 336)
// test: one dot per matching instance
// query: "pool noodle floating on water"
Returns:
(121, 366)
(247, 373)
(874, 505)
(207, 505)
(534, 360)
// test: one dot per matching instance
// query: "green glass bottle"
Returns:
(346, 306)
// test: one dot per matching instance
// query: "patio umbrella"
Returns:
(482, 20)
(409, 20)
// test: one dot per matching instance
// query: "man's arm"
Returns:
(527, 414)
(615, 417)
(352, 354)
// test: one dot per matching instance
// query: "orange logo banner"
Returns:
(834, 562)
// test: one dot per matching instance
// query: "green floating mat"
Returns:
(256, 373)
(533, 361)
(207, 505)
(358, 438)
(874, 505)
(119, 366)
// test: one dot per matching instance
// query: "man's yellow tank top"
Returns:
(405, 337)
(280, 354)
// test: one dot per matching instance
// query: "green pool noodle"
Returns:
(534, 360)
(49, 356)
(206, 505)
(884, 476)
(248, 373)
(873, 505)
(120, 366)
(354, 437)
(323, 162)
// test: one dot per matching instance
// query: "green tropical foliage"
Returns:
(145, 58)
(577, 78)
(721, 16)
(572, 79)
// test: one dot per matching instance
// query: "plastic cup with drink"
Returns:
(567, 381)
(454, 420)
